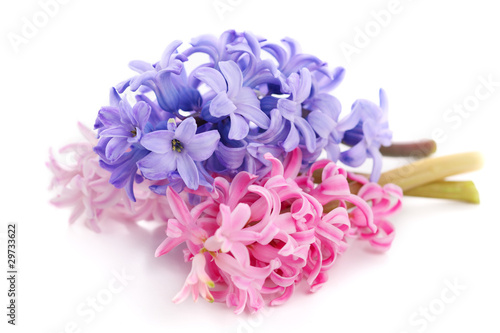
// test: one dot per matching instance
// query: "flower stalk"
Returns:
(454, 190)
(430, 170)
(418, 149)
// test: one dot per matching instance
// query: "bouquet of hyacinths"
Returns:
(228, 156)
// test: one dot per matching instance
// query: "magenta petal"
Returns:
(179, 208)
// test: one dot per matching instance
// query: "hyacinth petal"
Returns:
(188, 171)
(166, 93)
(328, 229)
(246, 96)
(137, 81)
(350, 121)
(174, 229)
(110, 132)
(182, 295)
(212, 78)
(289, 109)
(233, 76)
(116, 147)
(239, 127)
(292, 140)
(332, 151)
(157, 166)
(167, 245)
(221, 106)
(322, 124)
(365, 209)
(240, 252)
(384, 103)
(383, 242)
(141, 113)
(316, 264)
(186, 131)
(158, 141)
(275, 128)
(253, 114)
(126, 116)
(179, 208)
(114, 97)
(202, 145)
(304, 88)
(109, 116)
(284, 297)
(377, 164)
(307, 133)
(355, 156)
(239, 187)
(329, 105)
(292, 164)
(169, 51)
(277, 169)
(239, 217)
(140, 66)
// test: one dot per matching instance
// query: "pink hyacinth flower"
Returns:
(197, 282)
(264, 234)
(84, 187)
(384, 201)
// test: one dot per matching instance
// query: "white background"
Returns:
(429, 57)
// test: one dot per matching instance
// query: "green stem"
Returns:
(430, 170)
(454, 190)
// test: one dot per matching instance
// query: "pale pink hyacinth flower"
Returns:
(384, 201)
(264, 235)
(84, 186)
(197, 282)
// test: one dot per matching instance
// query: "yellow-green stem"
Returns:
(429, 170)
(454, 190)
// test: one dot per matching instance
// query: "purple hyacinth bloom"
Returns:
(167, 78)
(233, 100)
(124, 169)
(299, 88)
(323, 119)
(123, 125)
(366, 129)
(177, 149)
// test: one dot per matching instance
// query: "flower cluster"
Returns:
(226, 154)
(251, 97)
(253, 239)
